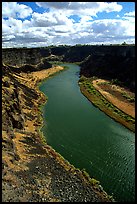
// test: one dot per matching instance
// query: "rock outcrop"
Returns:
(110, 66)
(109, 62)
(31, 170)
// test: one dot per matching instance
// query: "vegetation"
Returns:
(124, 43)
(115, 81)
(129, 98)
(91, 180)
(102, 103)
(56, 63)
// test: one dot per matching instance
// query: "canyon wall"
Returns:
(110, 62)
(115, 63)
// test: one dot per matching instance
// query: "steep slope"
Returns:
(109, 66)
(31, 170)
(109, 62)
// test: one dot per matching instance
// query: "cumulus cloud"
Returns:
(81, 8)
(50, 19)
(110, 27)
(5, 27)
(132, 13)
(130, 16)
(13, 9)
(57, 26)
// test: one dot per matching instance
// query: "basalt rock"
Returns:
(108, 62)
(31, 170)
(121, 68)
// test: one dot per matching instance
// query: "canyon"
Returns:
(25, 155)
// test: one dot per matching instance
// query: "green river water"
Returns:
(88, 138)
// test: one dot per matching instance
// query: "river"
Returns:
(87, 137)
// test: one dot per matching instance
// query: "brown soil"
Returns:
(113, 93)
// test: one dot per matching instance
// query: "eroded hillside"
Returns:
(31, 170)
(107, 62)
(119, 68)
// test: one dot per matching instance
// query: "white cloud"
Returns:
(13, 9)
(8, 37)
(130, 14)
(5, 27)
(130, 18)
(50, 19)
(55, 26)
(11, 26)
(81, 8)
(113, 6)
(109, 27)
(85, 19)
(55, 5)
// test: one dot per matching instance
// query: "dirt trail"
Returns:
(125, 106)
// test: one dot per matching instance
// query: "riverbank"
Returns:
(31, 170)
(115, 101)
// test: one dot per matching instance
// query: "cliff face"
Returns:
(23, 150)
(15, 97)
(24, 60)
(109, 62)
(117, 64)
(31, 170)
(12, 116)
(20, 56)
(79, 53)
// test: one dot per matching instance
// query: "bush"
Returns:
(82, 78)
(115, 81)
(131, 99)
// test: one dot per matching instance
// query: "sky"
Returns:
(40, 24)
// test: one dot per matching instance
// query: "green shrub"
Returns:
(82, 79)
(94, 181)
(115, 81)
(131, 99)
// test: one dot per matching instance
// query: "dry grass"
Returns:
(127, 107)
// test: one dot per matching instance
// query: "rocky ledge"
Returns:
(31, 170)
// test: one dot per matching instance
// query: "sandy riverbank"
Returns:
(113, 93)
(31, 170)
(117, 102)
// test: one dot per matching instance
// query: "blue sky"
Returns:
(38, 24)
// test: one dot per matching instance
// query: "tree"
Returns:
(124, 43)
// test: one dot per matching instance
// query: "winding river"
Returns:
(88, 138)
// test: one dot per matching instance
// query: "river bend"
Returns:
(87, 137)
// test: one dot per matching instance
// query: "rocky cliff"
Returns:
(112, 62)
(118, 67)
(24, 156)
(78, 53)
(31, 170)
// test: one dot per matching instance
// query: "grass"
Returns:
(55, 62)
(129, 98)
(103, 104)
(91, 180)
